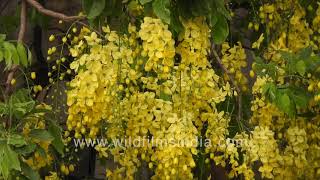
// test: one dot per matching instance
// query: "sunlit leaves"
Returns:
(29, 172)
(96, 8)
(301, 62)
(8, 160)
(41, 134)
(22, 54)
(160, 8)
(287, 99)
(16, 140)
(301, 67)
(55, 131)
(13, 54)
(220, 30)
(20, 103)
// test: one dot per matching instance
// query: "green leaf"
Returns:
(305, 53)
(213, 19)
(312, 63)
(4, 165)
(55, 131)
(27, 149)
(2, 37)
(16, 140)
(22, 54)
(8, 160)
(29, 57)
(299, 96)
(29, 172)
(220, 30)
(221, 8)
(144, 1)
(284, 103)
(41, 152)
(21, 95)
(301, 67)
(1, 55)
(270, 91)
(111, 9)
(13, 158)
(21, 103)
(86, 5)
(176, 24)
(200, 8)
(96, 8)
(165, 96)
(291, 59)
(3, 109)
(287, 56)
(160, 8)
(41, 134)
(14, 54)
(21, 109)
(8, 57)
(262, 68)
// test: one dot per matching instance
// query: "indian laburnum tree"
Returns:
(181, 71)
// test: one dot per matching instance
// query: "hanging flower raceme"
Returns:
(127, 89)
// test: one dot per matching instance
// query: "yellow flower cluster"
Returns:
(314, 86)
(234, 59)
(295, 152)
(262, 146)
(293, 35)
(194, 44)
(217, 132)
(127, 89)
(96, 86)
(176, 157)
(38, 159)
(158, 46)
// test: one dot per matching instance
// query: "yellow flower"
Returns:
(53, 176)
(256, 45)
(51, 38)
(33, 75)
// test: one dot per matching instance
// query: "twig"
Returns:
(86, 25)
(239, 97)
(51, 13)
(22, 31)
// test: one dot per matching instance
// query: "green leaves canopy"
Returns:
(169, 11)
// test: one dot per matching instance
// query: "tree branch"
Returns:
(22, 31)
(239, 97)
(51, 13)
(23, 21)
